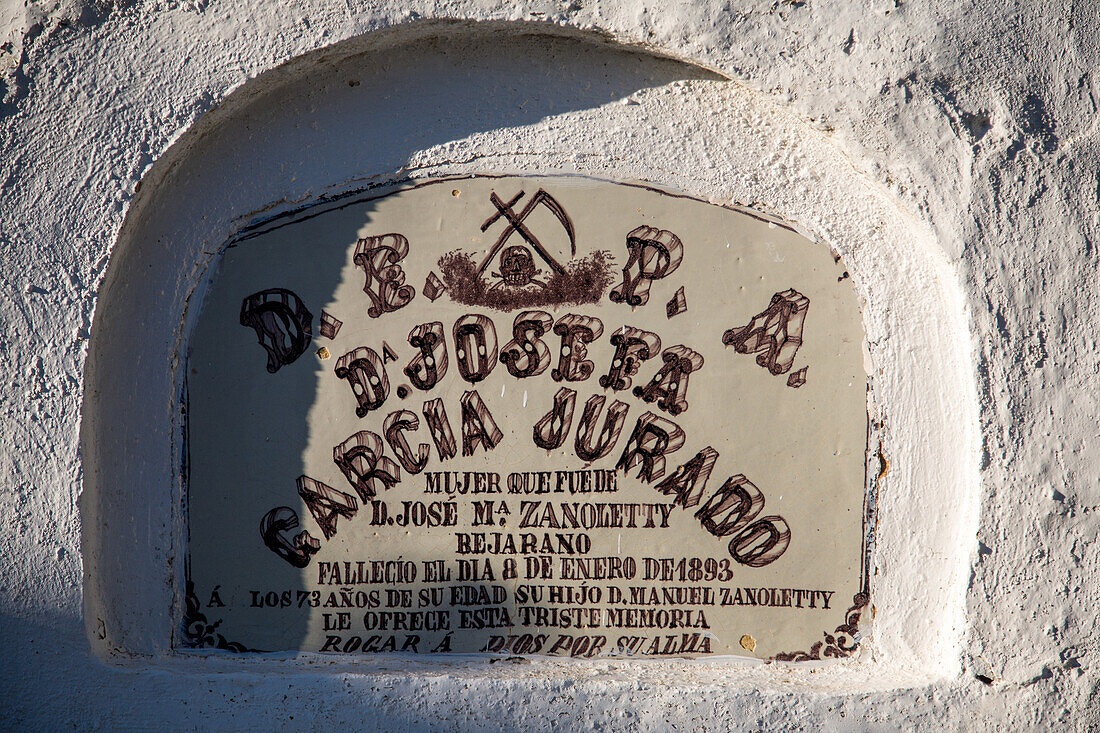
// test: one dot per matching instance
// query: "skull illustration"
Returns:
(517, 267)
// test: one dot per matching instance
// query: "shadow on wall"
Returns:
(368, 117)
(337, 120)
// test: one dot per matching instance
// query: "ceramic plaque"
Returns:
(527, 416)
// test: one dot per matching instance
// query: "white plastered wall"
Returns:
(302, 132)
(629, 124)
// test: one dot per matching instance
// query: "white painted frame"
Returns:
(248, 160)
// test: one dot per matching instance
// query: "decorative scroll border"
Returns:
(841, 643)
(200, 633)
(845, 639)
(197, 632)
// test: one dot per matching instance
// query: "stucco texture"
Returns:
(979, 123)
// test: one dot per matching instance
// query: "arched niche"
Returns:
(435, 100)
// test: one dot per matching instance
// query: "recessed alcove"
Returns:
(438, 100)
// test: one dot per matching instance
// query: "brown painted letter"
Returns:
(478, 426)
(385, 283)
(274, 527)
(440, 428)
(690, 480)
(653, 437)
(394, 427)
(326, 504)
(612, 426)
(366, 374)
(475, 347)
(361, 460)
(551, 429)
(654, 254)
(632, 347)
(774, 334)
(282, 323)
(575, 331)
(430, 365)
(527, 355)
(669, 386)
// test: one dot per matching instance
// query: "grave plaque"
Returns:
(527, 416)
